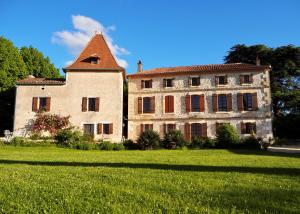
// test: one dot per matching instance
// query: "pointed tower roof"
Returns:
(95, 56)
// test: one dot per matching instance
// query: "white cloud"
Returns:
(85, 28)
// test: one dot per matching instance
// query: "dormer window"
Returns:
(94, 60)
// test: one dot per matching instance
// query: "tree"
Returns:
(12, 66)
(285, 74)
(37, 64)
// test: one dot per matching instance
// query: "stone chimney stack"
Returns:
(257, 61)
(140, 66)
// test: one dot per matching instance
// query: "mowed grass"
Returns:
(56, 180)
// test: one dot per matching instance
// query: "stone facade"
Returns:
(181, 87)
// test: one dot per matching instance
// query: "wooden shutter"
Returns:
(204, 130)
(164, 83)
(241, 79)
(215, 102)
(35, 104)
(99, 128)
(202, 103)
(240, 102)
(229, 102)
(140, 105)
(171, 104)
(152, 104)
(141, 128)
(187, 132)
(48, 103)
(84, 104)
(167, 106)
(188, 103)
(251, 78)
(254, 102)
(111, 128)
(216, 80)
(243, 128)
(142, 84)
(97, 104)
(226, 79)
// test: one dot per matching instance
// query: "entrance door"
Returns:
(88, 129)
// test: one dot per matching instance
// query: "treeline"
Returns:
(17, 64)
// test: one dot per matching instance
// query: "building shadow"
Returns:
(263, 153)
(159, 166)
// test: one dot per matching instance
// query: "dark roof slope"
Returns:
(41, 81)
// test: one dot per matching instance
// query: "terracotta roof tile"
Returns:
(199, 69)
(97, 47)
(41, 81)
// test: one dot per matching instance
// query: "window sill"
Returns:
(169, 113)
(246, 84)
(223, 112)
(221, 85)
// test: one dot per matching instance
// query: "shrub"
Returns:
(105, 145)
(71, 138)
(227, 136)
(130, 145)
(119, 146)
(149, 140)
(84, 145)
(201, 143)
(20, 141)
(251, 142)
(173, 139)
(17, 141)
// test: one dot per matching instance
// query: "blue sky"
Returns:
(159, 32)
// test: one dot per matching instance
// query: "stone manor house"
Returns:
(193, 99)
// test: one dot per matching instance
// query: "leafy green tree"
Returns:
(37, 64)
(12, 66)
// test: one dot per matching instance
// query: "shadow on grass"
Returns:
(194, 168)
(263, 153)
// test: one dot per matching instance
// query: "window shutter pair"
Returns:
(243, 76)
(169, 104)
(187, 131)
(215, 102)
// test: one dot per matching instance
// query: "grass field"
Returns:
(56, 180)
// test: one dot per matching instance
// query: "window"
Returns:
(88, 129)
(148, 127)
(247, 101)
(146, 84)
(222, 102)
(92, 104)
(170, 127)
(195, 103)
(249, 128)
(94, 60)
(168, 83)
(195, 81)
(222, 80)
(106, 128)
(195, 130)
(247, 79)
(147, 105)
(43, 103)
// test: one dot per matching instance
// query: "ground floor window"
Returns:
(88, 129)
(195, 130)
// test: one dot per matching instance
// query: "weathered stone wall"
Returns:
(207, 87)
(67, 99)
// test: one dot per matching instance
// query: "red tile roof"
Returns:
(96, 48)
(41, 81)
(235, 67)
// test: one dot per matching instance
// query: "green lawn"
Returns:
(56, 180)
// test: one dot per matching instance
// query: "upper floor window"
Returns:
(41, 104)
(146, 84)
(222, 102)
(194, 103)
(90, 104)
(247, 101)
(221, 80)
(246, 79)
(195, 81)
(146, 105)
(168, 83)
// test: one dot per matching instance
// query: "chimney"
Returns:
(140, 66)
(257, 61)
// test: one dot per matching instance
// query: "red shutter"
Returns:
(241, 79)
(84, 104)
(111, 128)
(99, 128)
(48, 103)
(152, 104)
(254, 102)
(202, 103)
(140, 104)
(240, 102)
(215, 102)
(97, 104)
(142, 128)
(167, 110)
(204, 130)
(243, 128)
(142, 84)
(35, 104)
(229, 102)
(187, 132)
(171, 104)
(216, 80)
(188, 103)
